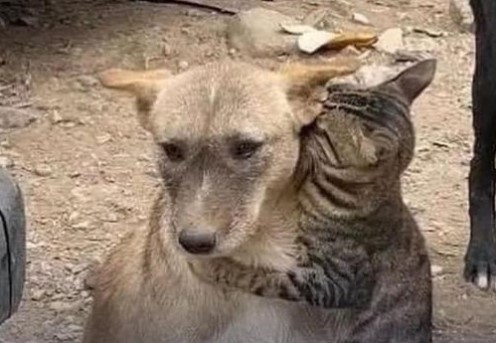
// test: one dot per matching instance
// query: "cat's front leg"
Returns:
(302, 284)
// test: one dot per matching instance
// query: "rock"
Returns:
(390, 41)
(360, 18)
(436, 270)
(37, 294)
(56, 118)
(341, 7)
(461, 13)
(110, 218)
(15, 118)
(166, 49)
(87, 81)
(85, 225)
(84, 83)
(183, 65)
(258, 33)
(43, 170)
(102, 139)
(5, 144)
(60, 306)
(6, 162)
(320, 18)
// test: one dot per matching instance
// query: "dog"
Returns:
(227, 139)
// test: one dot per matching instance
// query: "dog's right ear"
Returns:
(144, 85)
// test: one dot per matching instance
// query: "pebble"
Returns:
(16, 118)
(43, 170)
(390, 41)
(183, 65)
(360, 18)
(462, 15)
(87, 81)
(6, 162)
(257, 32)
(436, 270)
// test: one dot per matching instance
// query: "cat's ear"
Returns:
(412, 81)
(144, 85)
(303, 81)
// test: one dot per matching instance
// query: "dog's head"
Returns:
(227, 135)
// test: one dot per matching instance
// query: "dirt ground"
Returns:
(87, 172)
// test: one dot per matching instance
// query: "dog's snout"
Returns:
(197, 242)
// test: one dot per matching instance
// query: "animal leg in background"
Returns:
(480, 259)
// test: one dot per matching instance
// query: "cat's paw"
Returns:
(480, 265)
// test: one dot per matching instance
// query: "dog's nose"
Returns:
(197, 242)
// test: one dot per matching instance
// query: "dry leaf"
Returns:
(357, 39)
(312, 41)
(297, 29)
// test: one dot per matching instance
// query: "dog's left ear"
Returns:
(144, 85)
(304, 80)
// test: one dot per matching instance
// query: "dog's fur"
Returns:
(480, 259)
(145, 291)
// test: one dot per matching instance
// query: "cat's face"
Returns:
(370, 129)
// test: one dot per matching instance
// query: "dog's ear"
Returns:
(144, 85)
(303, 81)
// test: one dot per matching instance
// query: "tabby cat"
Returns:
(360, 247)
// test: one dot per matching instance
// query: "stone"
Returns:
(16, 118)
(56, 118)
(43, 170)
(320, 18)
(6, 162)
(183, 65)
(390, 41)
(258, 33)
(462, 15)
(360, 18)
(436, 270)
(60, 306)
(104, 138)
(87, 81)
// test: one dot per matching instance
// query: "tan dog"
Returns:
(227, 137)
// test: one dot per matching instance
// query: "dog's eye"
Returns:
(173, 151)
(245, 149)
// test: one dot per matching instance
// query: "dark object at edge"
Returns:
(12, 246)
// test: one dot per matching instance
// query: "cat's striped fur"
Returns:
(359, 245)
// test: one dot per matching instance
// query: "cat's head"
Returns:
(367, 132)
